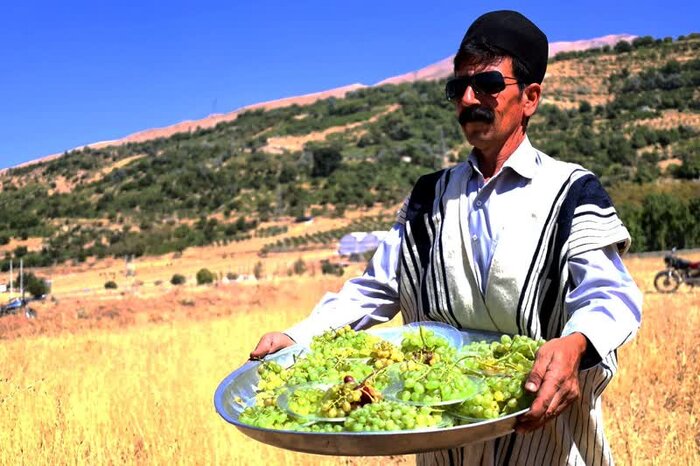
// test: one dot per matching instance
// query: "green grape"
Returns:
(272, 377)
(391, 416)
(426, 346)
(428, 369)
(425, 384)
(271, 374)
(357, 368)
(315, 367)
(306, 401)
(508, 356)
(504, 365)
(341, 399)
(384, 354)
(267, 417)
(344, 342)
(501, 395)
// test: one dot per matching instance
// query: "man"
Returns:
(509, 241)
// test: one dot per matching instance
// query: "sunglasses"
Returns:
(488, 82)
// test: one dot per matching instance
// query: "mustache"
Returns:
(470, 114)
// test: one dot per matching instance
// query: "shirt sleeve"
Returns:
(604, 303)
(363, 301)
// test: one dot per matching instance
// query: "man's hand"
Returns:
(269, 343)
(554, 378)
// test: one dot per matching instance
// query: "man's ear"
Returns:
(531, 98)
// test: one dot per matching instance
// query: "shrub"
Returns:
(205, 276)
(299, 267)
(258, 270)
(111, 285)
(177, 279)
(327, 268)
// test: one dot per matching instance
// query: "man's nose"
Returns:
(469, 97)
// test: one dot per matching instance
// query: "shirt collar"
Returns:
(524, 160)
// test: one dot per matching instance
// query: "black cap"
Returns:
(516, 35)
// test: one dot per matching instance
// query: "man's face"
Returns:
(506, 107)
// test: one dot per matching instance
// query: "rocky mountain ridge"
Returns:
(438, 70)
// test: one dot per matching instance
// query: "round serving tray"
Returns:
(240, 385)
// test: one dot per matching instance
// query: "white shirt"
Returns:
(604, 303)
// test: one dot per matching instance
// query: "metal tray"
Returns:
(241, 383)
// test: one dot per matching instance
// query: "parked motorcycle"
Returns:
(677, 271)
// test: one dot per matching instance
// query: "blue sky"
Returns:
(76, 72)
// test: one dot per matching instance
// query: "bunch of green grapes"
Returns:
(391, 415)
(519, 350)
(501, 395)
(476, 358)
(384, 354)
(426, 346)
(268, 417)
(359, 369)
(272, 377)
(344, 342)
(341, 399)
(337, 401)
(306, 401)
(426, 384)
(316, 367)
(508, 356)
(504, 364)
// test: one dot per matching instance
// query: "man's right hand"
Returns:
(269, 343)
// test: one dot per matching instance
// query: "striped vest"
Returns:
(569, 213)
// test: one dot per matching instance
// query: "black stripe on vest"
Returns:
(420, 204)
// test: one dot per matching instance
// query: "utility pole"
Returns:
(21, 279)
(12, 288)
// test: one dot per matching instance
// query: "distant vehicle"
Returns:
(677, 271)
(13, 306)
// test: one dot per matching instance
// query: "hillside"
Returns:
(631, 113)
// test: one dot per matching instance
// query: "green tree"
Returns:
(622, 46)
(33, 285)
(326, 160)
(204, 277)
(665, 220)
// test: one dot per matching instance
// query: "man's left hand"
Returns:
(554, 380)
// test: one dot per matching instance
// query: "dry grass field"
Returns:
(130, 379)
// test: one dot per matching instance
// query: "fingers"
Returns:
(550, 404)
(265, 346)
(269, 343)
(542, 382)
(554, 379)
(539, 369)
